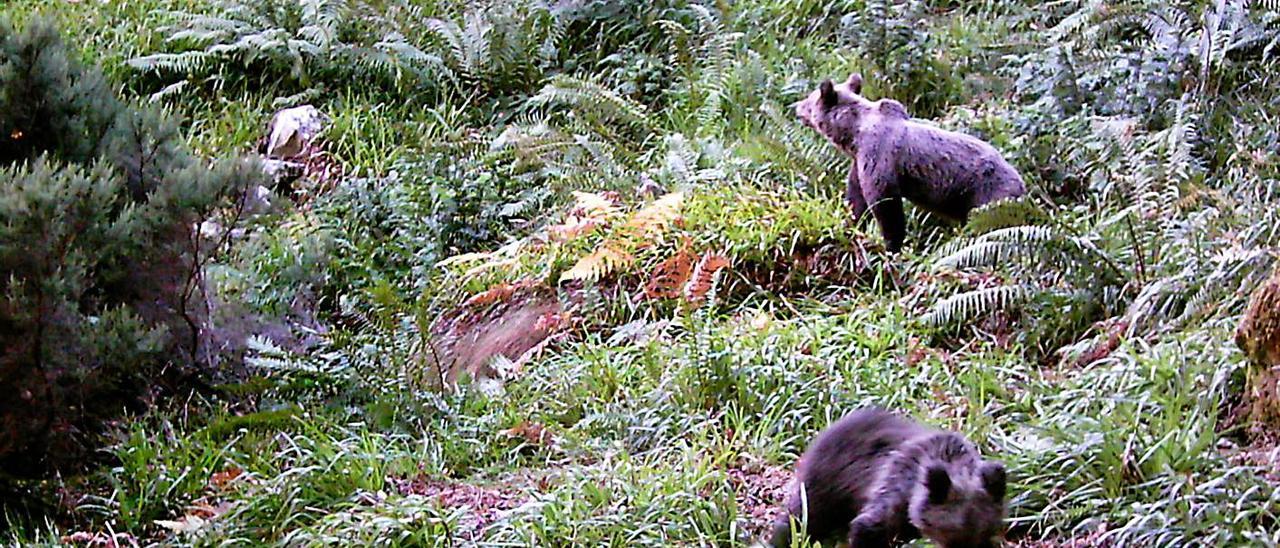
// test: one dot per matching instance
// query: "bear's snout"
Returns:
(798, 108)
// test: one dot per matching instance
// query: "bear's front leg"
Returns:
(880, 189)
(866, 531)
(781, 535)
(892, 220)
(853, 194)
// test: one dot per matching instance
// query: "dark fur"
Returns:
(896, 157)
(882, 480)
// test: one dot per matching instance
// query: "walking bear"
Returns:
(883, 480)
(895, 157)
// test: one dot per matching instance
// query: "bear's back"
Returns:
(951, 173)
(848, 454)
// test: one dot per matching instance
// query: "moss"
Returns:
(276, 419)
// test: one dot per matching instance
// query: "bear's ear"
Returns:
(828, 94)
(994, 480)
(938, 482)
(855, 83)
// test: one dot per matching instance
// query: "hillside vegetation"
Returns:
(572, 274)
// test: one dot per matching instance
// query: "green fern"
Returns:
(798, 152)
(591, 99)
(499, 46)
(1004, 214)
(969, 305)
(715, 50)
(298, 38)
(1000, 246)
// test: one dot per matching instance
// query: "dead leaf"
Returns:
(497, 293)
(761, 321)
(207, 511)
(220, 480)
(184, 525)
(531, 432)
(197, 517)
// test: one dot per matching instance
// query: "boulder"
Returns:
(292, 130)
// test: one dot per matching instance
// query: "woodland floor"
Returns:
(611, 217)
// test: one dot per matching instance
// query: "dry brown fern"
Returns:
(703, 277)
(605, 260)
(655, 218)
(615, 252)
(670, 276)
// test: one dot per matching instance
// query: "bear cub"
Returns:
(896, 157)
(882, 480)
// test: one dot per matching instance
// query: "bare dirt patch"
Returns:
(760, 491)
(484, 504)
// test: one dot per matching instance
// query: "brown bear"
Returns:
(895, 157)
(883, 480)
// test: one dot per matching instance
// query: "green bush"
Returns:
(101, 269)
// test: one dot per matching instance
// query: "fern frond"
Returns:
(588, 97)
(451, 34)
(800, 151)
(702, 280)
(321, 19)
(1005, 214)
(1232, 280)
(981, 254)
(605, 260)
(681, 159)
(602, 155)
(973, 304)
(187, 62)
(395, 50)
(997, 246)
(654, 218)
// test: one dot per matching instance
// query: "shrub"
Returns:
(101, 270)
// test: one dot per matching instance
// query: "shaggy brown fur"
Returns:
(896, 157)
(884, 480)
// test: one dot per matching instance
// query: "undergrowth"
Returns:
(637, 160)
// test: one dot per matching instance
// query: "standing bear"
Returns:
(895, 157)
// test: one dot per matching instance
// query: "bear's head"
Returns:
(960, 506)
(817, 107)
(838, 111)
